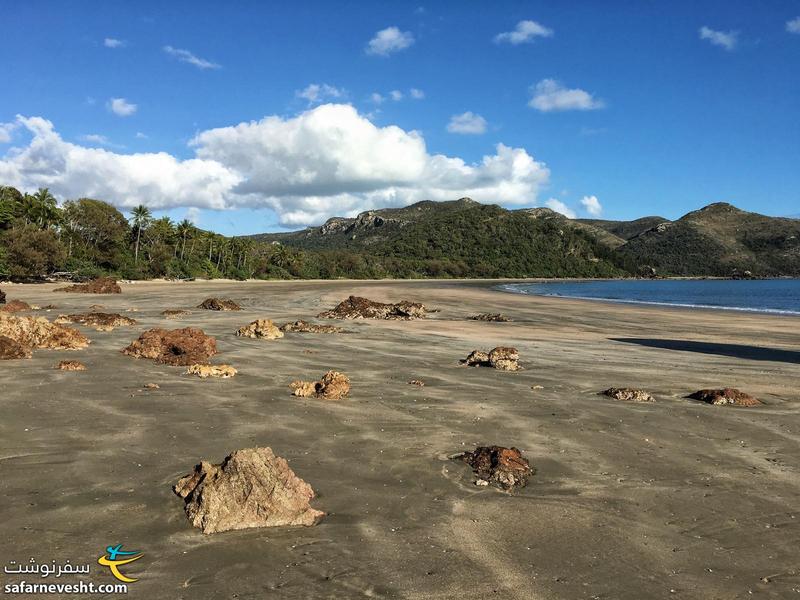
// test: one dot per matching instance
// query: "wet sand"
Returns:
(673, 499)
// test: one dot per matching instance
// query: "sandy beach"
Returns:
(673, 499)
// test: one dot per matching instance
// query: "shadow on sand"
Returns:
(734, 350)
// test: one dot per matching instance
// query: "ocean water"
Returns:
(779, 296)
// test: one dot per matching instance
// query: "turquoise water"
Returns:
(779, 296)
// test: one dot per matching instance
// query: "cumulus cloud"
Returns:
(550, 95)
(793, 26)
(141, 136)
(376, 98)
(316, 93)
(467, 123)
(396, 95)
(95, 138)
(592, 205)
(388, 41)
(187, 57)
(560, 207)
(327, 161)
(113, 43)
(6, 129)
(121, 107)
(723, 39)
(524, 32)
(416, 94)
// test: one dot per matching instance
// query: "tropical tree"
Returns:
(183, 229)
(141, 217)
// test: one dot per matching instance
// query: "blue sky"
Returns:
(644, 113)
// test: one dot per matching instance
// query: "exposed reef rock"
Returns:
(71, 365)
(494, 317)
(12, 349)
(501, 467)
(218, 304)
(362, 308)
(305, 327)
(180, 347)
(38, 332)
(15, 306)
(628, 394)
(725, 396)
(251, 488)
(206, 371)
(101, 285)
(174, 313)
(97, 320)
(502, 358)
(263, 329)
(2, 297)
(332, 386)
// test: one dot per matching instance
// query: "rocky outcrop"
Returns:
(38, 332)
(101, 285)
(362, 308)
(97, 320)
(217, 371)
(501, 467)
(628, 394)
(218, 304)
(12, 349)
(725, 396)
(181, 347)
(332, 386)
(15, 306)
(174, 313)
(250, 488)
(263, 329)
(305, 327)
(493, 317)
(71, 365)
(503, 358)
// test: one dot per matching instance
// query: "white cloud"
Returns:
(141, 136)
(95, 138)
(187, 57)
(467, 123)
(416, 94)
(121, 107)
(592, 205)
(319, 92)
(327, 161)
(724, 39)
(793, 26)
(560, 207)
(525, 31)
(389, 40)
(396, 95)
(6, 129)
(113, 43)
(192, 214)
(550, 95)
(376, 98)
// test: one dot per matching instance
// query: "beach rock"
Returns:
(263, 329)
(15, 306)
(218, 304)
(304, 327)
(501, 467)
(180, 347)
(494, 317)
(250, 488)
(101, 285)
(628, 394)
(12, 349)
(174, 313)
(152, 386)
(417, 382)
(2, 297)
(502, 358)
(71, 365)
(362, 308)
(38, 332)
(725, 396)
(206, 371)
(97, 320)
(332, 386)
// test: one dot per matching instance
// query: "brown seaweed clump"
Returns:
(501, 467)
(332, 386)
(97, 320)
(263, 329)
(71, 365)
(218, 304)
(628, 394)
(101, 285)
(180, 347)
(362, 308)
(38, 332)
(305, 327)
(725, 396)
(250, 488)
(502, 358)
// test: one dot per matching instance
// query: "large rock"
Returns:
(97, 320)
(503, 358)
(362, 308)
(38, 332)
(501, 467)
(216, 371)
(628, 394)
(15, 306)
(101, 285)
(180, 347)
(12, 349)
(304, 327)
(218, 304)
(332, 386)
(251, 488)
(261, 329)
(725, 396)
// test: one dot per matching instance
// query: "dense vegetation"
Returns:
(86, 238)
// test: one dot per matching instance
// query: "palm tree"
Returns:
(184, 227)
(141, 217)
